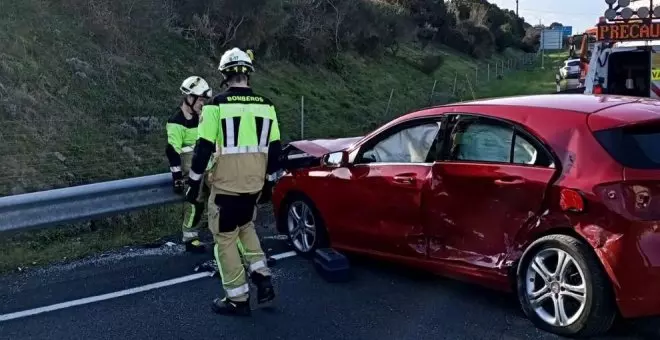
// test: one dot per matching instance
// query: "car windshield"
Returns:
(574, 63)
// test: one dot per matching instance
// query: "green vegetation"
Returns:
(86, 85)
(69, 243)
(533, 81)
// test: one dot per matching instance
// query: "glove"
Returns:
(266, 192)
(193, 191)
(177, 182)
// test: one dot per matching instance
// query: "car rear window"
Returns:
(573, 63)
(635, 147)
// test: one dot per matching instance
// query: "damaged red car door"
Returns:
(388, 176)
(491, 182)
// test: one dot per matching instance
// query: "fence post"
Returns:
(435, 82)
(302, 117)
(387, 111)
(476, 75)
(453, 91)
(488, 74)
(470, 86)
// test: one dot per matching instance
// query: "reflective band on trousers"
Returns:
(194, 176)
(175, 169)
(238, 291)
(243, 149)
(257, 265)
(187, 149)
(190, 234)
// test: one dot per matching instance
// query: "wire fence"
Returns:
(67, 152)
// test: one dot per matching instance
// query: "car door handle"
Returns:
(404, 179)
(509, 181)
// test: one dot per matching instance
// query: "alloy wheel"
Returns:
(556, 288)
(302, 226)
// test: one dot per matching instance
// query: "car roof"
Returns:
(640, 112)
(584, 103)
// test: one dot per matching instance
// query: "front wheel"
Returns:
(563, 288)
(304, 226)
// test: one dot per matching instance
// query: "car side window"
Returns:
(480, 139)
(528, 151)
(409, 145)
(524, 152)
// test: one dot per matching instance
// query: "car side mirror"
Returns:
(335, 159)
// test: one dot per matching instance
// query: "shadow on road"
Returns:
(507, 303)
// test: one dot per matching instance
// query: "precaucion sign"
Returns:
(626, 31)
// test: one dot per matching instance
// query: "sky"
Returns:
(581, 14)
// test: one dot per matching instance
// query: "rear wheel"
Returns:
(563, 288)
(304, 226)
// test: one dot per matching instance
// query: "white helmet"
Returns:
(196, 86)
(236, 61)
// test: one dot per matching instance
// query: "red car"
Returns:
(555, 197)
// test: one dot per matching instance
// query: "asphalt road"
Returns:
(381, 302)
(571, 83)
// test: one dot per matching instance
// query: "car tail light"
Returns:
(598, 89)
(633, 200)
(571, 200)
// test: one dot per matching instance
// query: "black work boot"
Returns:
(195, 246)
(225, 306)
(265, 290)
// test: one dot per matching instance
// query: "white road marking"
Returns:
(284, 255)
(276, 237)
(108, 296)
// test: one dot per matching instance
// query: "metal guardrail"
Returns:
(73, 204)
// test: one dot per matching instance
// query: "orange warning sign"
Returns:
(625, 31)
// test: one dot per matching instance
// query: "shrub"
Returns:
(455, 39)
(431, 63)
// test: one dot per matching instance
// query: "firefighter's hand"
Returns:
(266, 192)
(177, 182)
(193, 191)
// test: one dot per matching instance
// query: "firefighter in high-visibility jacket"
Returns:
(243, 126)
(181, 138)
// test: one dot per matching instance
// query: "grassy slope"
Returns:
(69, 88)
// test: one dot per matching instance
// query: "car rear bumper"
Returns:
(640, 308)
(633, 263)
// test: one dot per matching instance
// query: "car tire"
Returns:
(309, 216)
(594, 316)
